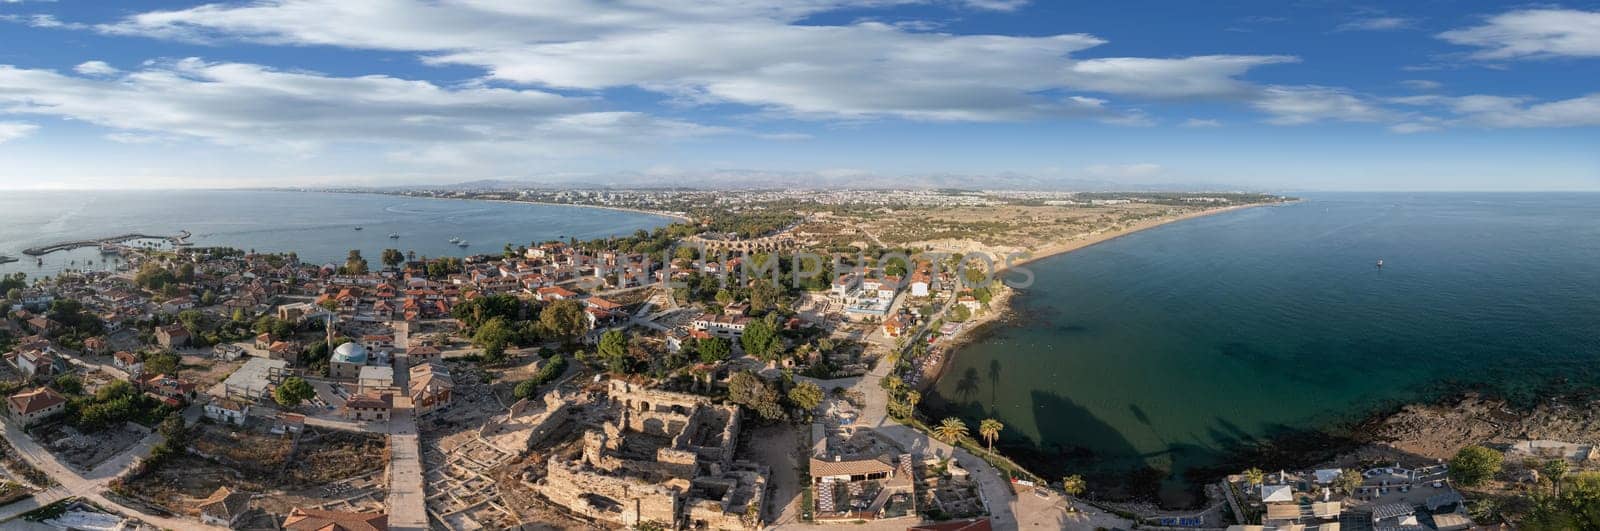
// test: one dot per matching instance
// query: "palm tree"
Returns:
(990, 430)
(1255, 477)
(1073, 485)
(912, 398)
(950, 430)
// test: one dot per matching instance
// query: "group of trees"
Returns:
(496, 322)
(112, 405)
(77, 323)
(554, 368)
(292, 392)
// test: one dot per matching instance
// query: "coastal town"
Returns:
(705, 375)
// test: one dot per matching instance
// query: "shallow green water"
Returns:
(1166, 348)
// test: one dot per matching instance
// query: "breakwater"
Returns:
(67, 246)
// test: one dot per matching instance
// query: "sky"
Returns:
(1268, 95)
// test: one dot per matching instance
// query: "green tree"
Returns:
(761, 339)
(960, 313)
(354, 264)
(806, 396)
(749, 390)
(292, 392)
(1474, 464)
(1073, 485)
(1254, 477)
(613, 350)
(990, 430)
(162, 363)
(950, 430)
(493, 337)
(563, 319)
(1555, 470)
(69, 384)
(393, 257)
(1348, 481)
(713, 349)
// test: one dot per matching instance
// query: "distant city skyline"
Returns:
(1312, 95)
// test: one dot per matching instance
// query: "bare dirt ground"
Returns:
(332, 469)
(86, 450)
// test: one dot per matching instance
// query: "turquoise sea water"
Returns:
(1164, 349)
(318, 226)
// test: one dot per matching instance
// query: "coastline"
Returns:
(1000, 305)
(662, 213)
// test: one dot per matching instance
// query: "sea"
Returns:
(319, 226)
(1148, 361)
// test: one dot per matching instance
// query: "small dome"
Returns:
(351, 352)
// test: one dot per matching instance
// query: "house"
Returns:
(36, 362)
(320, 520)
(424, 354)
(431, 387)
(724, 326)
(370, 406)
(920, 283)
(554, 293)
(172, 336)
(128, 362)
(284, 350)
(227, 411)
(170, 388)
(894, 326)
(43, 326)
(96, 345)
(224, 507)
(263, 341)
(28, 407)
(374, 378)
(1277, 493)
(843, 285)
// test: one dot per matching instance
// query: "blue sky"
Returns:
(1274, 95)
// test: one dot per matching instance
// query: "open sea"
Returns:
(1165, 349)
(318, 226)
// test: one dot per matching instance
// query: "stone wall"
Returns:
(621, 500)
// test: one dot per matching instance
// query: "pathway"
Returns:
(70, 483)
(407, 498)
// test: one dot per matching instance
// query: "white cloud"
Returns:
(1498, 111)
(95, 68)
(1375, 24)
(1299, 105)
(1412, 127)
(1533, 33)
(1198, 123)
(750, 52)
(1422, 84)
(252, 106)
(996, 5)
(13, 130)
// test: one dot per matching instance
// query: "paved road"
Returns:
(407, 498)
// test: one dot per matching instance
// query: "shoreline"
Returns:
(661, 213)
(1000, 306)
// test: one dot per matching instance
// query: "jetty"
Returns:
(178, 239)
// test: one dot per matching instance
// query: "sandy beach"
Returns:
(1000, 305)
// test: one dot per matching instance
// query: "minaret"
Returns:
(329, 328)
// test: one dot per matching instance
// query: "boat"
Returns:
(358, 228)
(1380, 262)
(462, 243)
(456, 239)
(394, 236)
